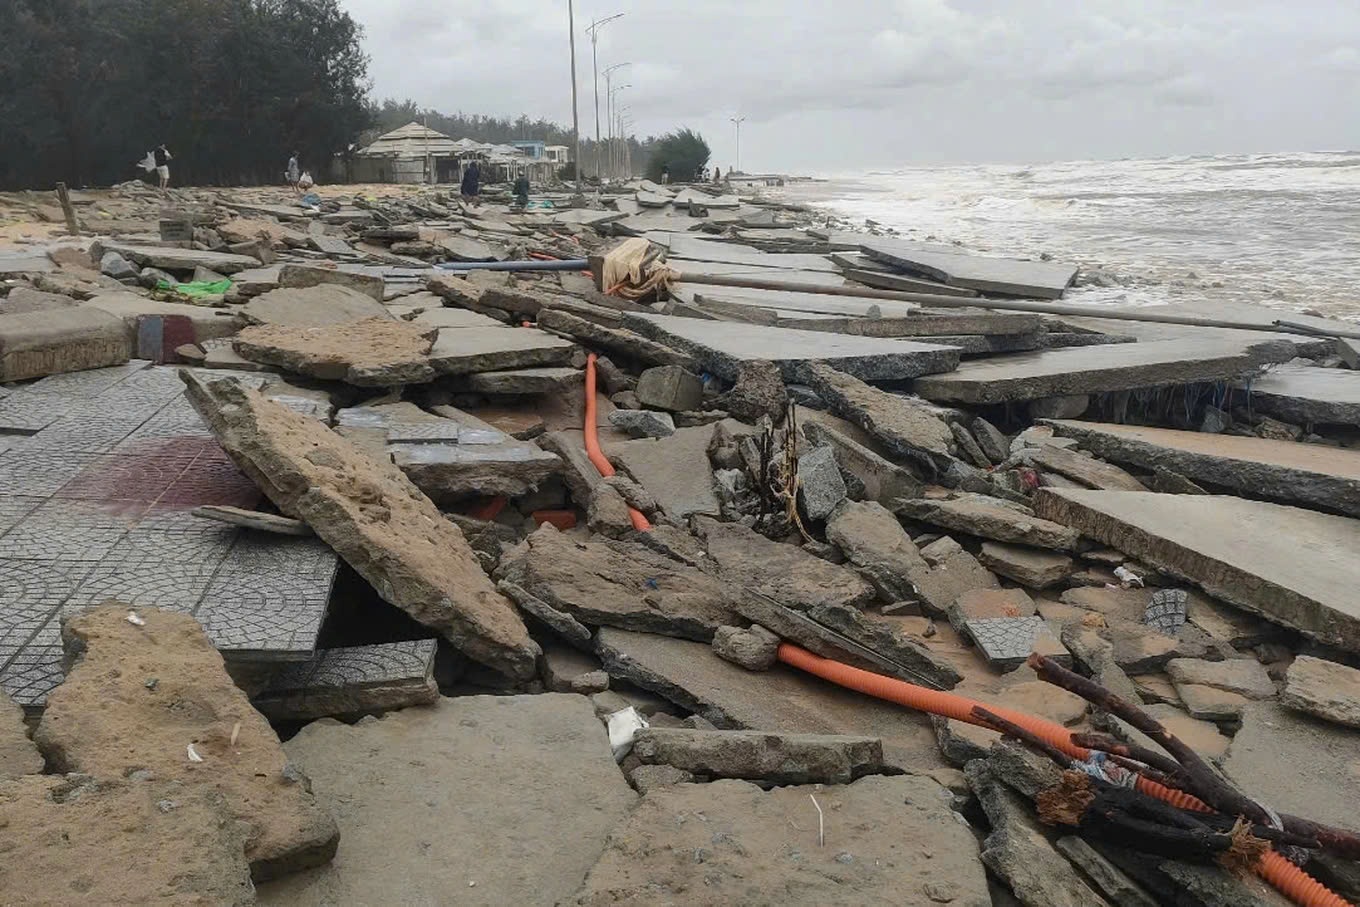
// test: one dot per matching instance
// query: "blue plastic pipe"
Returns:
(575, 264)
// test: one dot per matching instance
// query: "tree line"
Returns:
(232, 87)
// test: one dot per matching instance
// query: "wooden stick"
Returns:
(63, 196)
(1108, 744)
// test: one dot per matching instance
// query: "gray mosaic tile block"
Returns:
(119, 477)
(274, 614)
(40, 473)
(65, 531)
(360, 666)
(27, 585)
(1166, 612)
(1008, 641)
(21, 412)
(197, 542)
(29, 680)
(18, 630)
(424, 432)
(142, 584)
(14, 508)
(254, 553)
(86, 384)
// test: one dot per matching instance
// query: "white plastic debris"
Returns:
(193, 754)
(623, 727)
(136, 621)
(1128, 577)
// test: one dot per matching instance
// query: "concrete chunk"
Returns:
(1245, 676)
(909, 428)
(1089, 370)
(820, 486)
(372, 353)
(1324, 689)
(1319, 477)
(882, 479)
(675, 470)
(983, 273)
(23, 299)
(1230, 547)
(362, 680)
(761, 756)
(1032, 568)
(314, 306)
(1084, 470)
(143, 697)
(462, 351)
(416, 559)
(670, 388)
(170, 258)
(1307, 395)
(643, 423)
(35, 344)
(304, 276)
(446, 803)
(755, 649)
(990, 518)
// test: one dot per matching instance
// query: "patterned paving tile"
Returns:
(359, 666)
(14, 508)
(39, 473)
(1008, 641)
(66, 531)
(143, 584)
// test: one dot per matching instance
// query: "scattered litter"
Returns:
(1128, 578)
(136, 621)
(193, 754)
(623, 727)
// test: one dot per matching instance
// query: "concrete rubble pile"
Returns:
(326, 573)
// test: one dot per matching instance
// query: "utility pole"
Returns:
(609, 108)
(737, 121)
(594, 31)
(575, 113)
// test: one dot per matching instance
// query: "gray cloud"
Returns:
(838, 86)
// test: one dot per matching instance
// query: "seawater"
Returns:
(1281, 230)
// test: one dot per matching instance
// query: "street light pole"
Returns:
(737, 121)
(594, 31)
(575, 115)
(614, 91)
(609, 108)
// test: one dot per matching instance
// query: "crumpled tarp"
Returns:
(633, 269)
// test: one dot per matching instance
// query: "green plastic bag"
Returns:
(197, 288)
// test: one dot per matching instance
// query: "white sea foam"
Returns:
(1276, 229)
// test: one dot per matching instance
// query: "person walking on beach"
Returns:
(294, 173)
(665, 176)
(471, 189)
(163, 158)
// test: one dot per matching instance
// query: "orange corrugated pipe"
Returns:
(640, 522)
(1290, 880)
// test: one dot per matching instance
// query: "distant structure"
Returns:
(416, 154)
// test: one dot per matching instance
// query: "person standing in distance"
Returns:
(294, 172)
(163, 159)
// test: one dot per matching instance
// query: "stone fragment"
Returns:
(991, 519)
(1210, 704)
(374, 518)
(18, 755)
(983, 603)
(563, 624)
(41, 343)
(1030, 567)
(908, 657)
(877, 544)
(1104, 875)
(1018, 851)
(633, 494)
(619, 584)
(628, 344)
(557, 380)
(647, 778)
(755, 649)
(108, 720)
(671, 388)
(170, 258)
(313, 306)
(882, 480)
(304, 276)
(675, 470)
(568, 670)
(1324, 689)
(994, 444)
(968, 447)
(820, 486)
(116, 266)
(68, 839)
(643, 423)
(784, 572)
(758, 391)
(373, 353)
(1084, 470)
(715, 843)
(253, 519)
(782, 699)
(578, 472)
(463, 350)
(447, 803)
(23, 299)
(762, 756)
(1245, 676)
(908, 427)
(608, 514)
(362, 680)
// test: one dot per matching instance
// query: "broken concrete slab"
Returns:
(1086, 471)
(883, 480)
(1019, 852)
(1230, 547)
(721, 347)
(578, 471)
(876, 543)
(983, 273)
(362, 680)
(608, 513)
(24, 299)
(1324, 689)
(304, 276)
(1102, 369)
(35, 344)
(372, 353)
(544, 380)
(1320, 477)
(100, 824)
(416, 559)
(781, 699)
(607, 583)
(740, 851)
(670, 388)
(990, 518)
(452, 472)
(675, 470)
(983, 603)
(626, 344)
(786, 573)
(820, 486)
(462, 351)
(775, 759)
(450, 798)
(1244, 676)
(170, 258)
(643, 423)
(1306, 395)
(18, 755)
(901, 655)
(570, 670)
(1032, 568)
(909, 428)
(1298, 764)
(313, 306)
(1210, 704)
(1006, 642)
(140, 676)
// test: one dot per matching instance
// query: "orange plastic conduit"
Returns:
(1289, 879)
(640, 522)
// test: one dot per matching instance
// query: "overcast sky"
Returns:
(836, 86)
